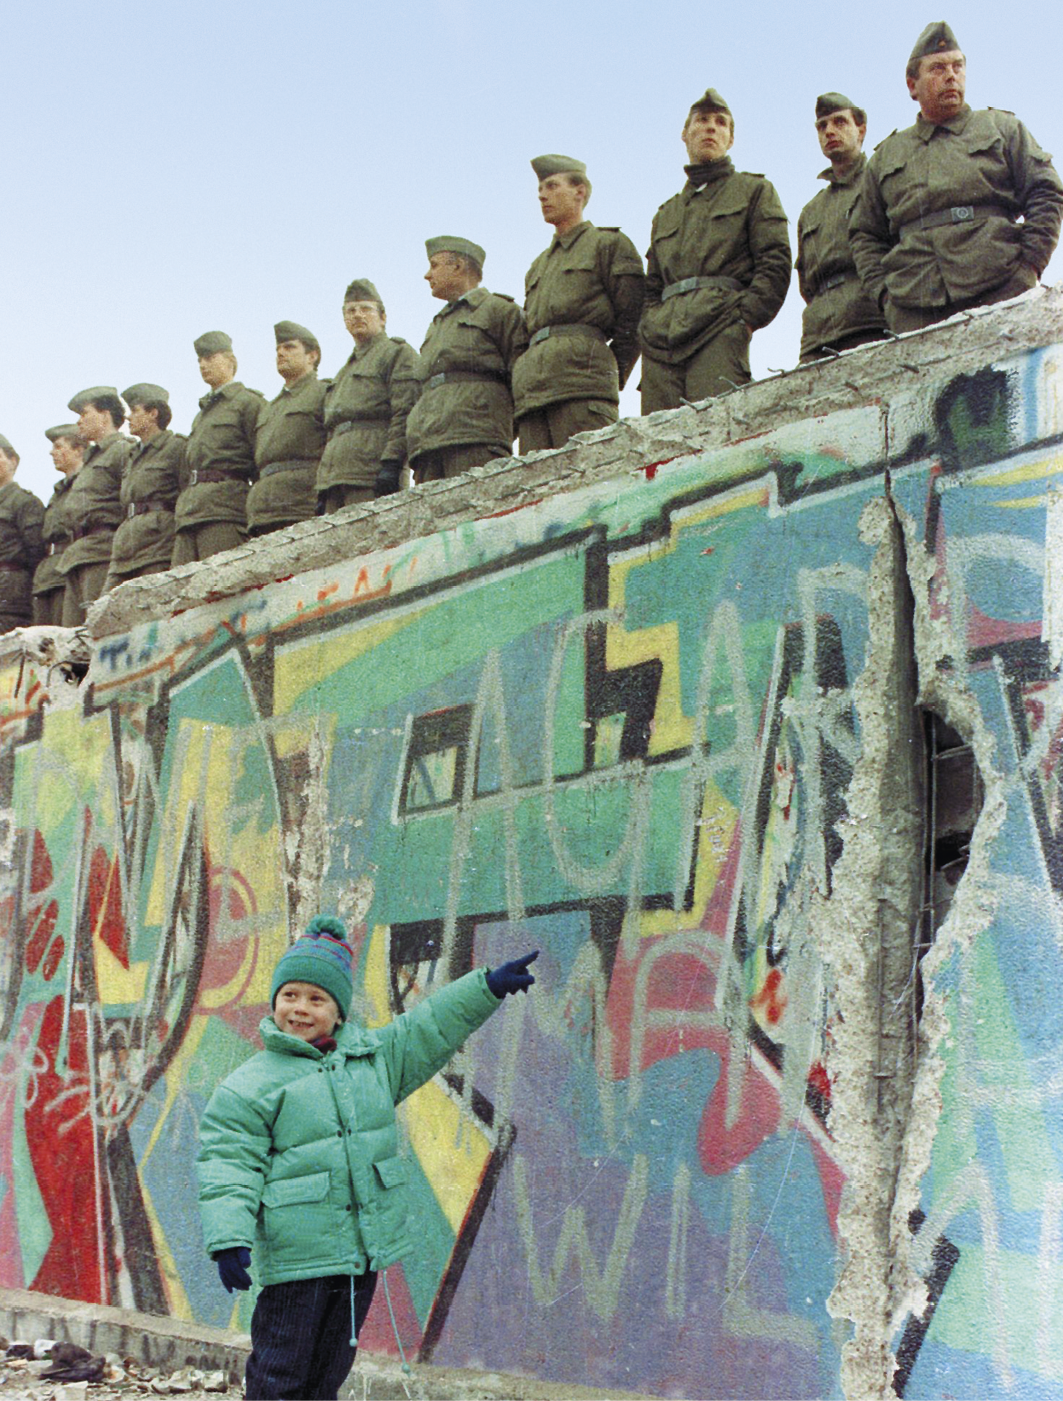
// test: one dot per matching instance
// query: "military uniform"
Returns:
(583, 297)
(156, 473)
(211, 511)
(718, 268)
(934, 229)
(93, 510)
(21, 549)
(366, 408)
(49, 585)
(839, 313)
(289, 443)
(464, 416)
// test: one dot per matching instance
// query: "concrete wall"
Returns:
(654, 704)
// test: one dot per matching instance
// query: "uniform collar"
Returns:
(225, 392)
(361, 351)
(473, 297)
(850, 175)
(300, 383)
(566, 240)
(925, 130)
(153, 444)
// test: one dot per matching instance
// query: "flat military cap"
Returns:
(449, 243)
(146, 394)
(711, 101)
(829, 102)
(362, 290)
(557, 165)
(936, 38)
(5, 446)
(211, 342)
(292, 331)
(62, 430)
(91, 396)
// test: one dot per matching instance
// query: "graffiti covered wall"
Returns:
(619, 725)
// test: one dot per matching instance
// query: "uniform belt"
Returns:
(56, 547)
(78, 532)
(349, 423)
(215, 474)
(141, 508)
(293, 465)
(694, 284)
(958, 214)
(836, 281)
(575, 329)
(465, 377)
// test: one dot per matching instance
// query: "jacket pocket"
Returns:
(392, 1172)
(296, 1191)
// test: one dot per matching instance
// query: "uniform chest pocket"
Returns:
(296, 1191)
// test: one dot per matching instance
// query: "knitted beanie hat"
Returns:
(321, 956)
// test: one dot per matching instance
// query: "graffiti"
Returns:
(618, 725)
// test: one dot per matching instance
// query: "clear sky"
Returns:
(171, 169)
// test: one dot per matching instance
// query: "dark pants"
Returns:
(912, 318)
(439, 463)
(553, 426)
(719, 366)
(196, 542)
(338, 498)
(301, 1337)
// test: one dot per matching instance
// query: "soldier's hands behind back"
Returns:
(232, 1267)
(513, 976)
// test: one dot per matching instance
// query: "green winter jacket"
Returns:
(299, 1154)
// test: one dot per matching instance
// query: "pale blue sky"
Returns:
(171, 169)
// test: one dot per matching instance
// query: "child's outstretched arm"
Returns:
(419, 1043)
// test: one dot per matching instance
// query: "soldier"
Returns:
(839, 313)
(935, 228)
(211, 511)
(92, 507)
(582, 299)
(366, 406)
(49, 585)
(21, 546)
(154, 477)
(464, 416)
(291, 436)
(717, 270)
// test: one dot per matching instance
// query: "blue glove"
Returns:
(512, 977)
(232, 1267)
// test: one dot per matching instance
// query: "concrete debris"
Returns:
(46, 1370)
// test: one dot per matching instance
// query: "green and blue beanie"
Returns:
(321, 956)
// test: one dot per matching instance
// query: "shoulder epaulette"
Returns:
(505, 296)
(395, 340)
(1002, 110)
(608, 228)
(885, 139)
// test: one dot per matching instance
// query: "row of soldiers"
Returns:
(960, 210)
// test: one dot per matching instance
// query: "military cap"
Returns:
(362, 290)
(557, 165)
(62, 430)
(292, 331)
(94, 395)
(211, 342)
(5, 446)
(829, 102)
(448, 243)
(711, 101)
(936, 38)
(146, 394)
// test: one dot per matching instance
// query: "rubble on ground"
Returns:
(46, 1370)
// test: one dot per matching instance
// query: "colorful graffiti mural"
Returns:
(618, 724)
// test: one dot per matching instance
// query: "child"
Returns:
(299, 1155)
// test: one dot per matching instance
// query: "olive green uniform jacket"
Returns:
(366, 408)
(21, 545)
(56, 536)
(299, 1150)
(477, 338)
(157, 471)
(588, 278)
(222, 440)
(979, 161)
(291, 438)
(93, 509)
(732, 229)
(838, 306)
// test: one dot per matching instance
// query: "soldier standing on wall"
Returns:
(21, 546)
(717, 270)
(291, 436)
(93, 509)
(936, 223)
(582, 300)
(154, 476)
(839, 314)
(211, 511)
(464, 416)
(49, 584)
(366, 406)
